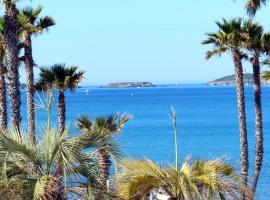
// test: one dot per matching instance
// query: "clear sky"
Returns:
(137, 40)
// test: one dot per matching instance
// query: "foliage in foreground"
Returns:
(200, 179)
(29, 171)
(109, 126)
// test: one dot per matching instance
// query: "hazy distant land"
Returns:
(230, 80)
(129, 85)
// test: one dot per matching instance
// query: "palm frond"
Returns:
(123, 120)
(252, 6)
(139, 178)
(73, 77)
(14, 143)
(31, 23)
(266, 75)
(45, 23)
(84, 122)
(60, 76)
(230, 35)
(199, 180)
(46, 187)
(216, 51)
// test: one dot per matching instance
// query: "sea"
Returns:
(207, 122)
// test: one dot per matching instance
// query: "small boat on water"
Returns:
(87, 92)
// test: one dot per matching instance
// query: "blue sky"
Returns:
(137, 40)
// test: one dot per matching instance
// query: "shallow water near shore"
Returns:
(206, 120)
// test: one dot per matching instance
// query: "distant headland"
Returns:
(129, 85)
(230, 80)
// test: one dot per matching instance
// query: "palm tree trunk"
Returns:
(241, 115)
(258, 122)
(104, 173)
(11, 39)
(61, 111)
(3, 102)
(61, 127)
(29, 65)
(104, 167)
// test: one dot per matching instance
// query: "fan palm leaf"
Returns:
(252, 6)
(60, 77)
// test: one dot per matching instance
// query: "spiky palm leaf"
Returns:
(253, 6)
(229, 36)
(60, 77)
(266, 75)
(25, 161)
(31, 23)
(257, 42)
(201, 179)
(109, 125)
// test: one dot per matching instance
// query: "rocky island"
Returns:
(230, 80)
(129, 85)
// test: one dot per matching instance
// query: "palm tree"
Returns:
(253, 6)
(108, 126)
(3, 103)
(11, 40)
(60, 77)
(200, 179)
(31, 25)
(230, 38)
(33, 167)
(257, 44)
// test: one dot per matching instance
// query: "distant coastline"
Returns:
(129, 85)
(230, 80)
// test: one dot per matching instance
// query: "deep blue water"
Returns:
(207, 122)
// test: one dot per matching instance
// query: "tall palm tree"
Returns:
(3, 103)
(31, 24)
(258, 44)
(229, 37)
(253, 6)
(108, 126)
(62, 78)
(11, 41)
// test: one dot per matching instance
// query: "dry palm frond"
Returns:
(201, 179)
(139, 178)
(20, 189)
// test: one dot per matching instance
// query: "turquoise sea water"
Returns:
(207, 121)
